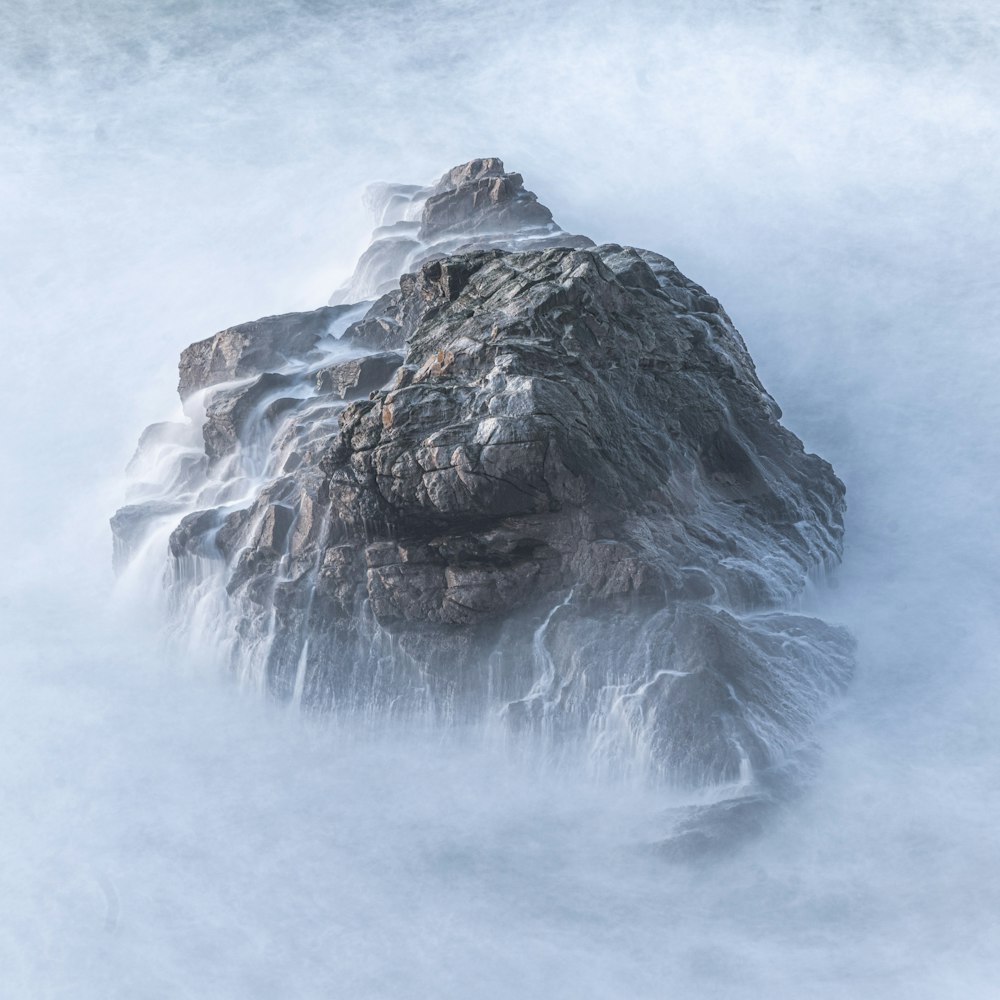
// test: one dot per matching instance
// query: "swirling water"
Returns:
(826, 170)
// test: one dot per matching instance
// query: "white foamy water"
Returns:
(826, 170)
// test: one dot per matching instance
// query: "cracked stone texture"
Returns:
(571, 419)
(535, 436)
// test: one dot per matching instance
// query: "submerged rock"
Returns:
(535, 475)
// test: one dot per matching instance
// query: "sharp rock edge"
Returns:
(509, 474)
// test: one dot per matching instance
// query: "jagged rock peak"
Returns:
(474, 170)
(474, 206)
(480, 197)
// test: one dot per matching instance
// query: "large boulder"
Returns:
(590, 414)
(533, 476)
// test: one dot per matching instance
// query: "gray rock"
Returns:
(228, 412)
(480, 196)
(359, 376)
(476, 206)
(560, 400)
(253, 348)
(551, 482)
(193, 534)
(131, 524)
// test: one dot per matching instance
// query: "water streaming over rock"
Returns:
(167, 170)
(524, 478)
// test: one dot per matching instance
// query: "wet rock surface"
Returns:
(476, 206)
(589, 422)
(359, 376)
(252, 348)
(533, 475)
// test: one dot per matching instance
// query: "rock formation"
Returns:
(533, 476)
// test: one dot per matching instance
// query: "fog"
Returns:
(828, 171)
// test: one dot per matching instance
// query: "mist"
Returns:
(826, 170)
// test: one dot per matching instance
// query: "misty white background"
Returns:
(828, 170)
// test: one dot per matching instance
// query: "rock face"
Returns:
(252, 348)
(534, 475)
(475, 206)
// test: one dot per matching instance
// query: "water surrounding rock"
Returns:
(534, 477)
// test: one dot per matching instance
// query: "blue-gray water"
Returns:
(827, 170)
